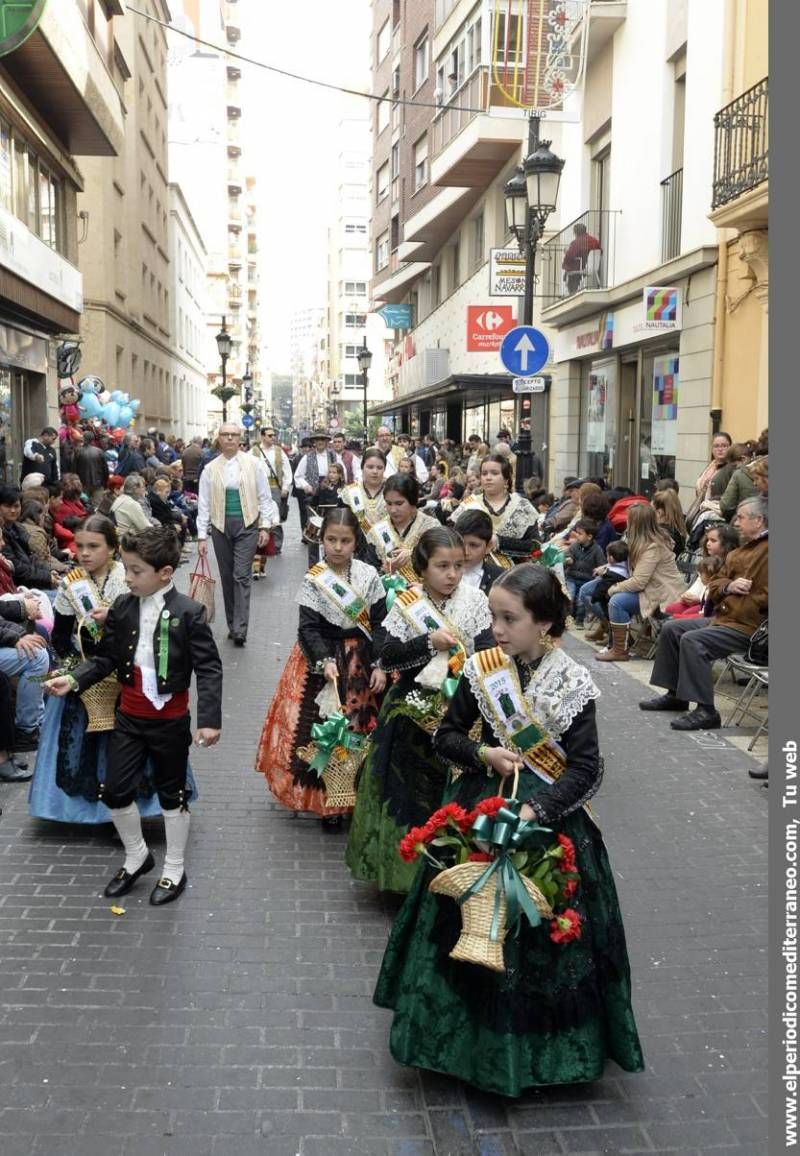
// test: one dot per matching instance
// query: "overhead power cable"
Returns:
(296, 75)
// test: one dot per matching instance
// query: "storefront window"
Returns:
(439, 424)
(658, 424)
(598, 437)
(474, 419)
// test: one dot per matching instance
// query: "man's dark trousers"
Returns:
(235, 550)
(686, 651)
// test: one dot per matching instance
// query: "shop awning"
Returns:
(471, 388)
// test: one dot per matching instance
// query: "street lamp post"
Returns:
(364, 362)
(531, 196)
(247, 394)
(224, 392)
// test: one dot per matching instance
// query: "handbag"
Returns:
(757, 651)
(283, 507)
(271, 548)
(202, 586)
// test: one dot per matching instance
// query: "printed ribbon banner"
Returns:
(338, 591)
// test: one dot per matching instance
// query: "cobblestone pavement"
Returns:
(239, 1020)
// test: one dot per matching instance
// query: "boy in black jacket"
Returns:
(154, 639)
(582, 558)
(476, 530)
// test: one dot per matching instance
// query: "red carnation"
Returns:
(480, 857)
(441, 817)
(565, 927)
(409, 846)
(570, 887)
(491, 806)
(568, 864)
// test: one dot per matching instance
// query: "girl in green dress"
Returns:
(560, 1009)
(427, 630)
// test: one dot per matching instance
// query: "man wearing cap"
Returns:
(235, 502)
(279, 472)
(315, 465)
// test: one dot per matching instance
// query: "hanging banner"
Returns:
(664, 432)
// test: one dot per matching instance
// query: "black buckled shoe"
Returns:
(664, 702)
(239, 640)
(124, 880)
(699, 719)
(26, 740)
(165, 891)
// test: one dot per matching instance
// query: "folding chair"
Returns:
(757, 680)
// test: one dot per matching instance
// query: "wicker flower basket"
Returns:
(340, 775)
(474, 944)
(100, 700)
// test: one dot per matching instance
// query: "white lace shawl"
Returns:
(557, 693)
(364, 580)
(115, 585)
(417, 528)
(514, 520)
(467, 609)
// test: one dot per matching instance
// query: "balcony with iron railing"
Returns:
(671, 213)
(579, 259)
(740, 187)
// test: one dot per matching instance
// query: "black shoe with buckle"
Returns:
(165, 891)
(124, 880)
(26, 740)
(239, 640)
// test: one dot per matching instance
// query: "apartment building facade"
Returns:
(635, 340)
(125, 255)
(349, 322)
(188, 259)
(60, 100)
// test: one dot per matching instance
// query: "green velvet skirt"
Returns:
(401, 785)
(555, 1015)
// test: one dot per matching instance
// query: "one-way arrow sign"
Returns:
(524, 351)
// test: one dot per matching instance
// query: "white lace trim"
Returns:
(364, 580)
(515, 519)
(557, 693)
(467, 609)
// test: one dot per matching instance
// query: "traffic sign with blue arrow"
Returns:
(248, 421)
(524, 351)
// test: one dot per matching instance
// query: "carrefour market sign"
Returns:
(18, 19)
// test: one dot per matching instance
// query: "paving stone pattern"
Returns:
(239, 1020)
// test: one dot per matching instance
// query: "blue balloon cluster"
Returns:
(116, 409)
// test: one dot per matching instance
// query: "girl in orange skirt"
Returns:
(342, 606)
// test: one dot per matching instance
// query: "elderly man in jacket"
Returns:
(687, 647)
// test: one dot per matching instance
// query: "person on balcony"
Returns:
(577, 255)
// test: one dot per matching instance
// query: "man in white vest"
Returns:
(235, 502)
(279, 472)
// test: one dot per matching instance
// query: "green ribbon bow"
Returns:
(163, 644)
(504, 834)
(330, 734)
(451, 681)
(393, 584)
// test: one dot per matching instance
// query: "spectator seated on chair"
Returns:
(595, 593)
(718, 541)
(669, 514)
(654, 581)
(582, 558)
(687, 647)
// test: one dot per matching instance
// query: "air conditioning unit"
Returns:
(435, 365)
